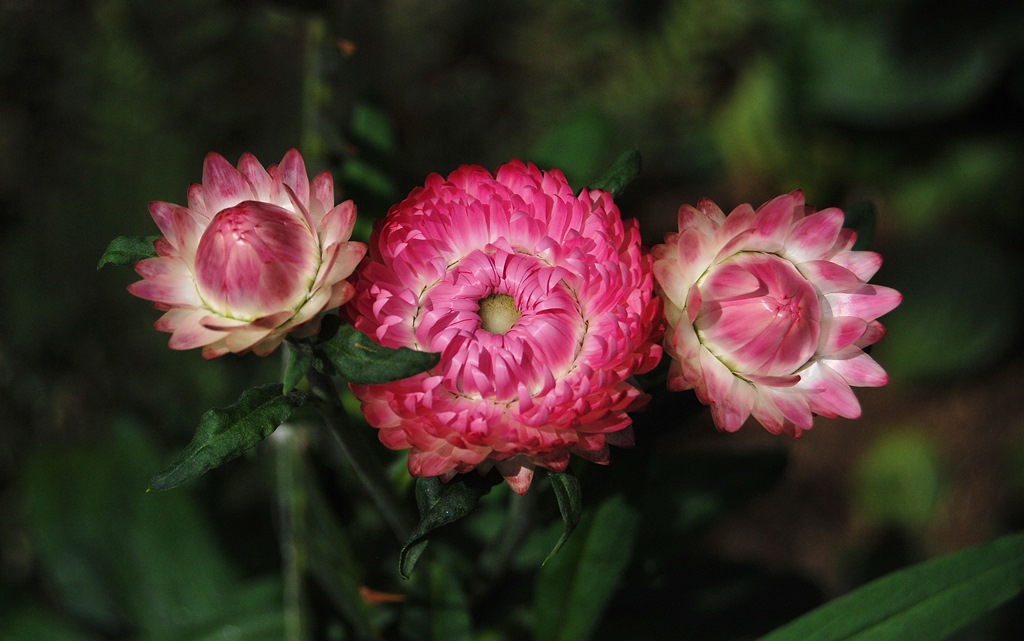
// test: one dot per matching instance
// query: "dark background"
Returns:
(105, 106)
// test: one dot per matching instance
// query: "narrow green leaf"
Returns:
(927, 601)
(570, 504)
(125, 251)
(575, 586)
(622, 172)
(226, 433)
(358, 359)
(298, 361)
(440, 504)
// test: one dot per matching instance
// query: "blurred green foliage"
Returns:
(107, 105)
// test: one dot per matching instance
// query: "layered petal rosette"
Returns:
(769, 312)
(541, 304)
(257, 253)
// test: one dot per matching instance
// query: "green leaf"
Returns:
(299, 360)
(573, 589)
(358, 359)
(226, 433)
(116, 558)
(125, 251)
(570, 504)
(440, 504)
(622, 172)
(926, 601)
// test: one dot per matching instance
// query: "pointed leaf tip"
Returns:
(440, 504)
(625, 168)
(125, 251)
(570, 504)
(226, 433)
(298, 360)
(929, 600)
(358, 359)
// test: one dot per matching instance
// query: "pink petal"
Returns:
(162, 216)
(829, 277)
(698, 220)
(322, 196)
(339, 261)
(256, 175)
(840, 332)
(736, 223)
(772, 223)
(189, 331)
(862, 263)
(694, 254)
(812, 237)
(874, 333)
(223, 185)
(671, 282)
(197, 201)
(517, 474)
(868, 302)
(336, 226)
(188, 230)
(792, 405)
(858, 369)
(171, 288)
(828, 393)
(293, 174)
(735, 405)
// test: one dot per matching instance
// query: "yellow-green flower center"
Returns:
(498, 313)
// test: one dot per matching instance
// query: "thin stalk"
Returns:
(293, 537)
(369, 472)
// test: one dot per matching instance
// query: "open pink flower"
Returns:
(258, 253)
(541, 304)
(769, 311)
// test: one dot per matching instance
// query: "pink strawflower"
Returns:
(769, 311)
(257, 254)
(541, 305)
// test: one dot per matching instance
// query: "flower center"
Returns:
(498, 313)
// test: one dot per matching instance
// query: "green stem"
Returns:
(291, 507)
(363, 461)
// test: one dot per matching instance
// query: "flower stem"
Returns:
(291, 508)
(354, 449)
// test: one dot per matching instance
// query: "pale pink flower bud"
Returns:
(257, 254)
(769, 311)
(541, 304)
